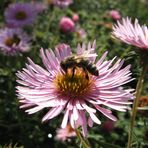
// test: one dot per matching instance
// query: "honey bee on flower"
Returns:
(78, 90)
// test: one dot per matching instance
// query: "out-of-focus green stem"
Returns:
(125, 52)
(84, 142)
(135, 105)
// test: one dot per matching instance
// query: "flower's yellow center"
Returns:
(12, 40)
(21, 15)
(73, 86)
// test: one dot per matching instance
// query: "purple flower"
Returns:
(13, 41)
(62, 3)
(67, 25)
(20, 14)
(132, 34)
(74, 95)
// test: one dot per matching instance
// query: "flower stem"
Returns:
(135, 105)
(125, 52)
(84, 142)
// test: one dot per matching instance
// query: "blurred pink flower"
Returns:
(115, 14)
(74, 95)
(132, 34)
(108, 126)
(64, 134)
(67, 24)
(75, 17)
(62, 3)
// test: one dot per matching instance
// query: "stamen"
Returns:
(75, 86)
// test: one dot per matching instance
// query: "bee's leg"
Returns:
(86, 76)
(86, 73)
(73, 71)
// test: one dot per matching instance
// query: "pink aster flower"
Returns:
(132, 34)
(20, 14)
(115, 15)
(64, 134)
(62, 3)
(78, 97)
(13, 41)
(67, 24)
(75, 17)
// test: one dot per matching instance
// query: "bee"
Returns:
(74, 61)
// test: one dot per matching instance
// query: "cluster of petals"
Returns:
(21, 14)
(67, 24)
(61, 46)
(131, 33)
(13, 41)
(37, 90)
(115, 14)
